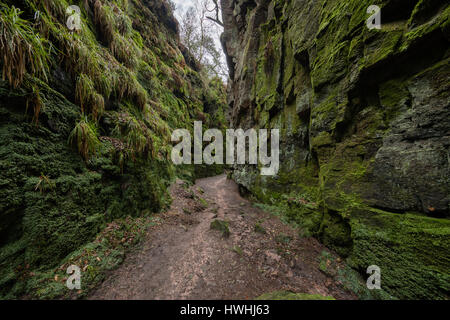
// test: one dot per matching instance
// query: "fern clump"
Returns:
(105, 20)
(124, 25)
(141, 96)
(135, 134)
(122, 4)
(80, 51)
(84, 138)
(21, 49)
(137, 138)
(87, 96)
(128, 86)
(156, 124)
(125, 51)
(116, 28)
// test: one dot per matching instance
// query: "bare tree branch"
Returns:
(216, 10)
(216, 21)
(199, 35)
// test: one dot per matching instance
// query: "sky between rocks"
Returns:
(182, 6)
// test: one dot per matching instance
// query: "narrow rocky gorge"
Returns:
(87, 178)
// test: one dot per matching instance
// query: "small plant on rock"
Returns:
(222, 226)
(21, 49)
(84, 137)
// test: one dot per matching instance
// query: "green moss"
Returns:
(412, 252)
(322, 140)
(348, 278)
(59, 220)
(423, 10)
(94, 259)
(393, 96)
(268, 72)
(336, 233)
(330, 65)
(383, 45)
(420, 32)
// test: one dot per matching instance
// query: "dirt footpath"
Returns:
(185, 259)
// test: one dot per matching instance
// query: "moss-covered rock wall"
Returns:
(364, 117)
(85, 126)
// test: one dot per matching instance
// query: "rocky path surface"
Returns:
(184, 258)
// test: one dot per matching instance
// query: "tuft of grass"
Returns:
(238, 250)
(135, 134)
(88, 98)
(203, 202)
(259, 229)
(141, 96)
(84, 137)
(222, 226)
(116, 28)
(128, 86)
(44, 183)
(136, 137)
(125, 51)
(124, 25)
(105, 20)
(21, 49)
(157, 125)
